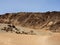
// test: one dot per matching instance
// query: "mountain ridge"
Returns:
(48, 20)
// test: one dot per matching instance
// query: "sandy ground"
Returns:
(42, 38)
(18, 39)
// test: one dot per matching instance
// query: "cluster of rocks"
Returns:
(12, 28)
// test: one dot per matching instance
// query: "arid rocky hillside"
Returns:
(47, 20)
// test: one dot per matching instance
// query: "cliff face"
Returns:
(48, 21)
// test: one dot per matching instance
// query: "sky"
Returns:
(8, 6)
